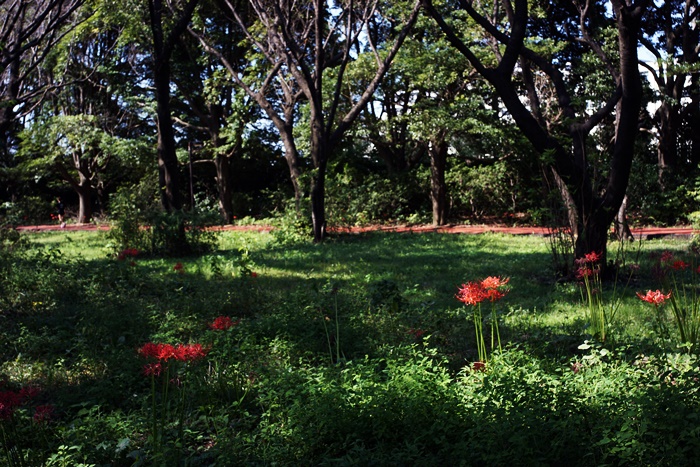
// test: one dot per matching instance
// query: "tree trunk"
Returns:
(622, 228)
(84, 191)
(438, 188)
(223, 183)
(668, 133)
(168, 174)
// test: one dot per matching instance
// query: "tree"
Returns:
(28, 32)
(559, 132)
(303, 44)
(671, 35)
(167, 23)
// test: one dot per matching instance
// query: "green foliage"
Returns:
(400, 386)
(138, 225)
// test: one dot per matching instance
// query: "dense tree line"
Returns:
(357, 111)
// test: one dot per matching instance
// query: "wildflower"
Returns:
(222, 323)
(43, 413)
(8, 401)
(127, 253)
(479, 366)
(592, 257)
(494, 282)
(472, 293)
(152, 369)
(179, 268)
(655, 297)
(583, 272)
(162, 352)
(189, 352)
(666, 257)
(680, 265)
(253, 274)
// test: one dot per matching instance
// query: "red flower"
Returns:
(472, 293)
(190, 352)
(43, 413)
(666, 257)
(179, 268)
(8, 401)
(152, 369)
(253, 274)
(223, 323)
(494, 282)
(576, 367)
(680, 265)
(655, 297)
(127, 253)
(158, 351)
(584, 271)
(479, 366)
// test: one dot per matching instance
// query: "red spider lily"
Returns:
(592, 257)
(152, 369)
(28, 392)
(655, 297)
(666, 257)
(222, 323)
(127, 253)
(584, 271)
(495, 295)
(9, 400)
(680, 265)
(179, 268)
(43, 413)
(472, 293)
(190, 352)
(253, 274)
(162, 352)
(165, 352)
(494, 282)
(479, 366)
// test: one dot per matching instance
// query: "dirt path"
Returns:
(645, 232)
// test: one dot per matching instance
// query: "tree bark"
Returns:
(438, 188)
(224, 185)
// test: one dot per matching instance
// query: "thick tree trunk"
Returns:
(168, 174)
(438, 188)
(84, 191)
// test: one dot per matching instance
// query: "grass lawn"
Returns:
(354, 352)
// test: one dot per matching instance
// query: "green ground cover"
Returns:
(354, 352)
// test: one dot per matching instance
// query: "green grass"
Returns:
(353, 352)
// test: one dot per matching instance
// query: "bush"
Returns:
(142, 227)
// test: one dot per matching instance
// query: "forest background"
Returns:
(347, 113)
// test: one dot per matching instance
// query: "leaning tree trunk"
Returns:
(438, 188)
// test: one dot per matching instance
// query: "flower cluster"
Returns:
(10, 400)
(655, 297)
(181, 352)
(222, 323)
(588, 265)
(179, 268)
(127, 253)
(164, 353)
(491, 288)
